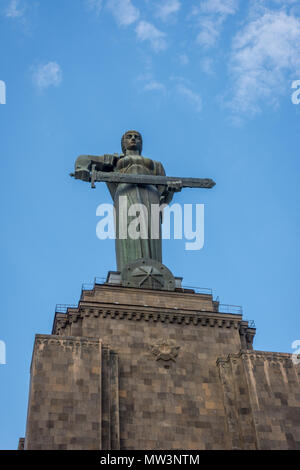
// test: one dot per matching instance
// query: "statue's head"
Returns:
(132, 140)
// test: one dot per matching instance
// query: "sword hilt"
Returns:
(93, 176)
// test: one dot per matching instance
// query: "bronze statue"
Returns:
(140, 181)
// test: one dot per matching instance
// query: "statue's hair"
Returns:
(123, 140)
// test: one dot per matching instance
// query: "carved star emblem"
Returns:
(166, 350)
(148, 272)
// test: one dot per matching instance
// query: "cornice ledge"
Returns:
(253, 354)
(212, 319)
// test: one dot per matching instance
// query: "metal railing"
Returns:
(236, 309)
(102, 280)
(63, 308)
(91, 285)
(87, 286)
(199, 290)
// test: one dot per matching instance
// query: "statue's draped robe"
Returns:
(129, 249)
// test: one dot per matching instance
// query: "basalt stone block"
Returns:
(80, 410)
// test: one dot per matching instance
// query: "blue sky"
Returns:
(208, 83)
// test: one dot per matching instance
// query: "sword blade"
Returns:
(114, 177)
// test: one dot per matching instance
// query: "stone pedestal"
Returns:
(142, 369)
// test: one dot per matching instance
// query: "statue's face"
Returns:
(133, 141)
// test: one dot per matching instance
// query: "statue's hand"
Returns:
(108, 162)
(174, 186)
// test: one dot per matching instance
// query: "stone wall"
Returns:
(262, 400)
(170, 376)
(70, 376)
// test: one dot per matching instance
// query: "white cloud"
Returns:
(258, 8)
(221, 7)
(265, 57)
(209, 32)
(175, 87)
(94, 5)
(149, 81)
(211, 15)
(167, 8)
(194, 98)
(183, 59)
(207, 65)
(47, 75)
(14, 10)
(153, 85)
(124, 11)
(148, 32)
(278, 2)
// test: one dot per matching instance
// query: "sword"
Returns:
(115, 177)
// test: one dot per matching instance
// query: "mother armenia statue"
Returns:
(135, 179)
(131, 161)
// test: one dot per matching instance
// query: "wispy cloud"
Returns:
(166, 9)
(148, 32)
(220, 7)
(94, 5)
(265, 56)
(153, 85)
(183, 59)
(176, 87)
(47, 75)
(14, 9)
(124, 11)
(207, 65)
(194, 98)
(149, 81)
(211, 14)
